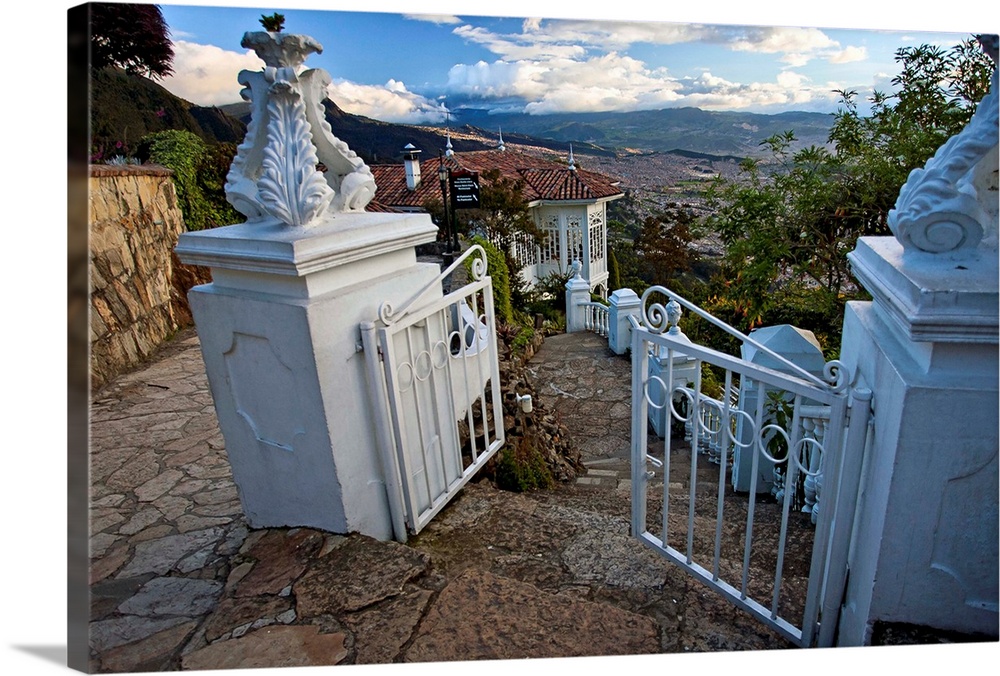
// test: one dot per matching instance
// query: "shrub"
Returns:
(614, 271)
(500, 276)
(199, 175)
(521, 467)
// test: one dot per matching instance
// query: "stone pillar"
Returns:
(577, 291)
(279, 324)
(624, 303)
(801, 348)
(925, 543)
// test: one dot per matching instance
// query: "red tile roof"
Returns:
(543, 179)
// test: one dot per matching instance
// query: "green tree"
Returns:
(937, 93)
(496, 268)
(663, 246)
(624, 224)
(788, 224)
(614, 271)
(132, 37)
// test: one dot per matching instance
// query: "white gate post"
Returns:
(577, 291)
(279, 324)
(925, 544)
(623, 303)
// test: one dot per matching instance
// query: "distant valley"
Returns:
(688, 129)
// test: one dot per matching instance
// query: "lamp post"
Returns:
(443, 178)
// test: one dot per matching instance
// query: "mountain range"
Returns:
(124, 108)
(670, 129)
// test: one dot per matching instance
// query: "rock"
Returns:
(118, 631)
(275, 646)
(380, 634)
(614, 559)
(481, 616)
(167, 596)
(357, 574)
(154, 653)
(158, 485)
(281, 556)
(160, 556)
(235, 612)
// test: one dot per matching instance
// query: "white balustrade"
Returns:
(595, 317)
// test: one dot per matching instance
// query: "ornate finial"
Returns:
(501, 146)
(939, 209)
(674, 317)
(276, 175)
(572, 163)
(448, 151)
(576, 267)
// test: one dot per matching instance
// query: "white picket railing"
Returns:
(595, 317)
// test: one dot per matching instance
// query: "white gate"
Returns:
(811, 428)
(435, 388)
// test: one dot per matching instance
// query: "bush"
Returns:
(521, 467)
(496, 268)
(199, 175)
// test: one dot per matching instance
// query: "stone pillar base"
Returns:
(279, 331)
(925, 549)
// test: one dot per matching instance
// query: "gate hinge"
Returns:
(360, 347)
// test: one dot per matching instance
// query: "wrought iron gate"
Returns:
(435, 388)
(810, 428)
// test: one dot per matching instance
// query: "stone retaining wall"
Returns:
(137, 285)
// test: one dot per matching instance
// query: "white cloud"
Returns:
(595, 74)
(206, 75)
(434, 18)
(391, 102)
(531, 25)
(782, 40)
(608, 82)
(789, 88)
(791, 80)
(616, 35)
(520, 46)
(849, 54)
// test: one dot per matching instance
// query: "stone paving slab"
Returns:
(480, 616)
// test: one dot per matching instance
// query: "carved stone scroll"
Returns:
(938, 209)
(290, 167)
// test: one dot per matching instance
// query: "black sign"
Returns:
(464, 189)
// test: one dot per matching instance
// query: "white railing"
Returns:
(810, 431)
(436, 390)
(595, 317)
(711, 442)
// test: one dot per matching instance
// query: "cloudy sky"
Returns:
(414, 66)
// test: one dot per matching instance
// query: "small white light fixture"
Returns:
(525, 401)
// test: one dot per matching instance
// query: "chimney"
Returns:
(411, 160)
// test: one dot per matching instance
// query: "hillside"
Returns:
(687, 129)
(124, 108)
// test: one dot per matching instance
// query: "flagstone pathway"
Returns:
(178, 580)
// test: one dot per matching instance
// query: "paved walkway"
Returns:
(179, 581)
